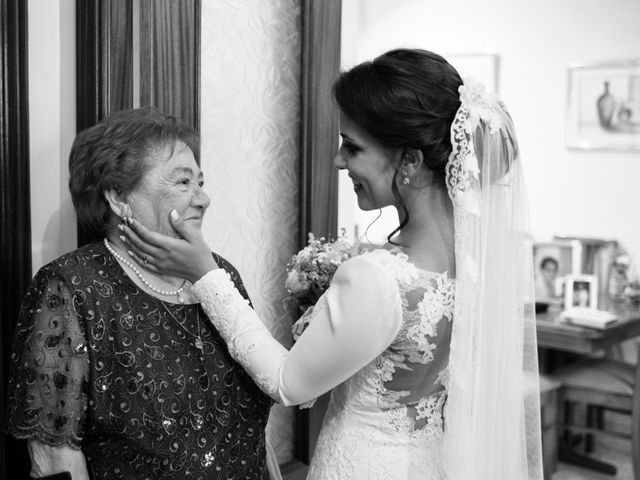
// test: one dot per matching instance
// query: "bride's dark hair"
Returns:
(405, 98)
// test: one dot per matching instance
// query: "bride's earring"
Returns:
(405, 178)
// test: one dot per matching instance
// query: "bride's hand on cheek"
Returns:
(188, 257)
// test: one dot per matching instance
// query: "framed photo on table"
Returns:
(603, 106)
(581, 291)
(552, 263)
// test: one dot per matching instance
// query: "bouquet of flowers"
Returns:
(309, 272)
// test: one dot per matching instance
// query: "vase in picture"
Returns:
(606, 105)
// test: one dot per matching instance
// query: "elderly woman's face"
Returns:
(174, 182)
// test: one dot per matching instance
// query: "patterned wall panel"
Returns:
(250, 121)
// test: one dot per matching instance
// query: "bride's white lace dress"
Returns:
(385, 422)
(380, 338)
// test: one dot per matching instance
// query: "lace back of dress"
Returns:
(417, 359)
(492, 425)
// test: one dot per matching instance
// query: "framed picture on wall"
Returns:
(483, 67)
(603, 106)
(581, 291)
(552, 263)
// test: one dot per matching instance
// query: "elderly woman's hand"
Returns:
(188, 257)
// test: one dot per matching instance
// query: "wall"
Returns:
(250, 94)
(51, 126)
(575, 192)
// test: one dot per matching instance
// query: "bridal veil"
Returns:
(492, 414)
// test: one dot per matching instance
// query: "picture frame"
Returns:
(484, 67)
(581, 291)
(597, 259)
(552, 262)
(603, 106)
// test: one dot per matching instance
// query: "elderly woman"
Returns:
(116, 371)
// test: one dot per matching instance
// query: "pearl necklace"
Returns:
(147, 283)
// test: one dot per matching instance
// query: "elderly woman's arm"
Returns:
(47, 390)
(47, 460)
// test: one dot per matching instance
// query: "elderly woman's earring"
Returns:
(126, 218)
(405, 178)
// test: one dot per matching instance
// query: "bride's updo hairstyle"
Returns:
(404, 98)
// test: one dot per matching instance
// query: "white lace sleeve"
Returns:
(247, 338)
(360, 316)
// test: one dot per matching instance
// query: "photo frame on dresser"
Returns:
(597, 256)
(581, 291)
(553, 261)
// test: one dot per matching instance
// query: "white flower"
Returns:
(296, 283)
(481, 105)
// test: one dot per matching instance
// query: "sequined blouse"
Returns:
(99, 364)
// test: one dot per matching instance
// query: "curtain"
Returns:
(15, 217)
(169, 65)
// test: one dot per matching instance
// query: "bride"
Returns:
(427, 344)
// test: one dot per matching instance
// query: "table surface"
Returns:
(557, 334)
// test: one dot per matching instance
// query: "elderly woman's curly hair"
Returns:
(115, 155)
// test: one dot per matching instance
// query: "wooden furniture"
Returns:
(557, 335)
(602, 385)
(15, 213)
(320, 24)
(549, 424)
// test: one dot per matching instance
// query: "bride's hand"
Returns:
(188, 257)
(301, 324)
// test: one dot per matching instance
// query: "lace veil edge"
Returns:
(492, 414)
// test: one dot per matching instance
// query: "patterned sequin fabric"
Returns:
(98, 364)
